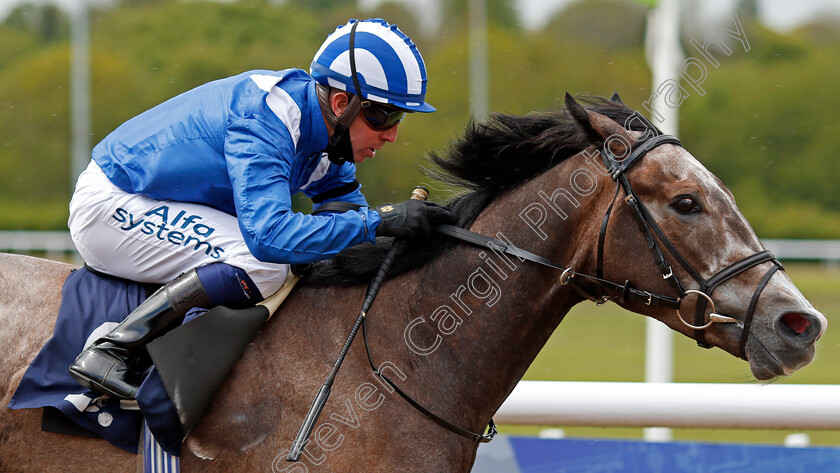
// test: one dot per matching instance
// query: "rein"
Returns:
(624, 291)
(476, 437)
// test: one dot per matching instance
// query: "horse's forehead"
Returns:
(679, 165)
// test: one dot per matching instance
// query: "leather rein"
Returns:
(610, 290)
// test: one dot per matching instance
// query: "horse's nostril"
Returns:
(796, 322)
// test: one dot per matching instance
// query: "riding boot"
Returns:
(116, 363)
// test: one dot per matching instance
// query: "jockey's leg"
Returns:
(138, 238)
(115, 363)
(228, 286)
(112, 364)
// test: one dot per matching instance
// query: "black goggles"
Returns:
(381, 117)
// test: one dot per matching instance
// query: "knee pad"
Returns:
(228, 286)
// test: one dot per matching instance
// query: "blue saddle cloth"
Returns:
(93, 303)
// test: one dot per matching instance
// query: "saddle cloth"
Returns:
(91, 306)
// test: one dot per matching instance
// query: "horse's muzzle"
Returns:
(800, 329)
(787, 346)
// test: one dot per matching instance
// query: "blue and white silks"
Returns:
(243, 145)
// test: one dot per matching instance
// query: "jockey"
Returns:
(203, 182)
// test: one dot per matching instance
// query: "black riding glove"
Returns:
(412, 218)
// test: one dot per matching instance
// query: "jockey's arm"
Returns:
(339, 184)
(260, 171)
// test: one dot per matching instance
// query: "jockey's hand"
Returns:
(411, 219)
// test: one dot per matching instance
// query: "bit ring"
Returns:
(709, 299)
(568, 273)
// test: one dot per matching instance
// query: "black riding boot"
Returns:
(115, 364)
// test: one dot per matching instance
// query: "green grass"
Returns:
(607, 344)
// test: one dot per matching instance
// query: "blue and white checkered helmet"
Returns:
(388, 65)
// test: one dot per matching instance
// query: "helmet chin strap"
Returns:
(340, 148)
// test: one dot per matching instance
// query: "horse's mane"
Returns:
(491, 158)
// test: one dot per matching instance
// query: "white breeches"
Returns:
(135, 237)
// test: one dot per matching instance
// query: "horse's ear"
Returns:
(615, 98)
(599, 128)
(581, 117)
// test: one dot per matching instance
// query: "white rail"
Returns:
(26, 241)
(741, 406)
(823, 250)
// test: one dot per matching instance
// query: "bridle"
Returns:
(609, 290)
(648, 227)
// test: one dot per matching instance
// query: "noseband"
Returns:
(648, 227)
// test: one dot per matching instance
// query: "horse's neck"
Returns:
(473, 332)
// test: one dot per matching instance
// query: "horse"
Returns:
(455, 326)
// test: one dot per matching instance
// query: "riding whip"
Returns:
(302, 438)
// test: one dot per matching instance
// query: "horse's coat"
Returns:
(483, 348)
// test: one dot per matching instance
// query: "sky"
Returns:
(781, 15)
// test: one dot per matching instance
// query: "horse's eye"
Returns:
(686, 205)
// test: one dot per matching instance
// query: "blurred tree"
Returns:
(182, 44)
(822, 31)
(47, 21)
(770, 47)
(767, 127)
(16, 43)
(611, 24)
(500, 13)
(747, 10)
(34, 157)
(322, 5)
(397, 14)
(133, 3)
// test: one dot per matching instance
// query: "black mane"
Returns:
(492, 157)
